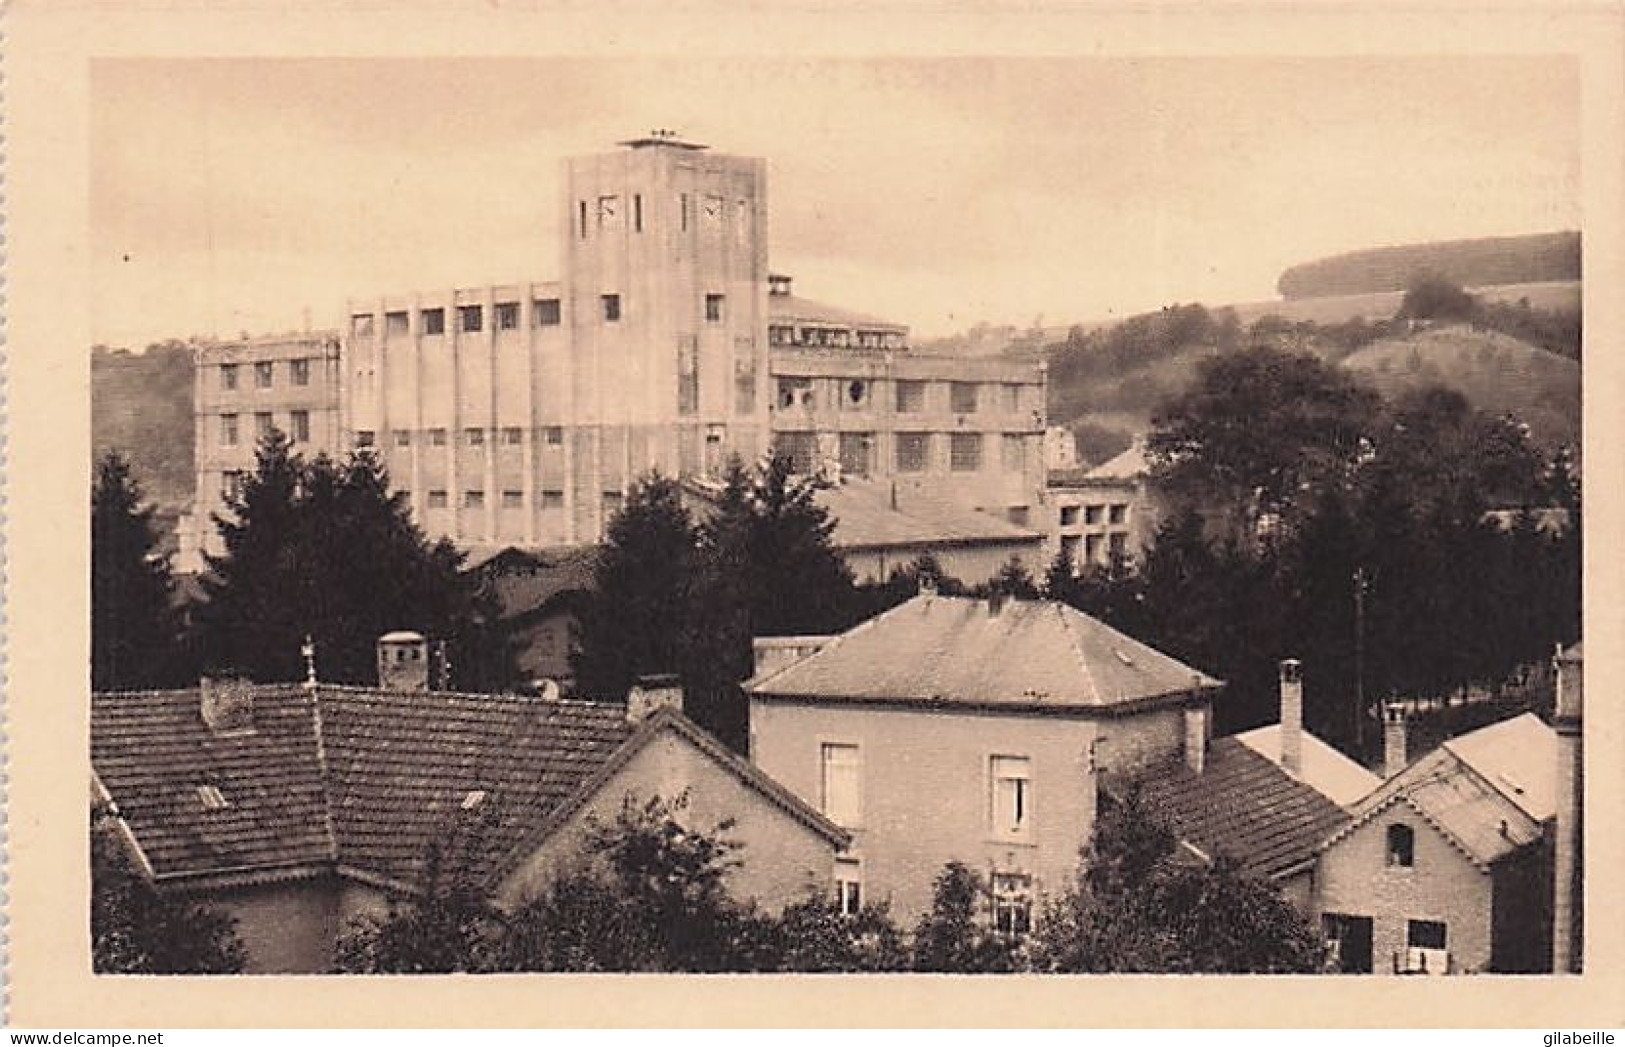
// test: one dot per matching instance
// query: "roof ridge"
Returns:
(1075, 643)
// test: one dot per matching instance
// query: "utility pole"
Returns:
(1359, 656)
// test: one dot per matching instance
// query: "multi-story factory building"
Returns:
(241, 391)
(520, 414)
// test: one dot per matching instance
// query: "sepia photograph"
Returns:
(1070, 518)
(1018, 515)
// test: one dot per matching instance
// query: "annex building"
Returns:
(519, 414)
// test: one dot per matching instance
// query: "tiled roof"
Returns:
(867, 517)
(1129, 465)
(401, 766)
(1336, 776)
(1244, 806)
(784, 308)
(363, 780)
(1488, 791)
(152, 753)
(942, 649)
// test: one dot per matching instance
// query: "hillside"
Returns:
(141, 406)
(1559, 296)
(1497, 373)
(1539, 258)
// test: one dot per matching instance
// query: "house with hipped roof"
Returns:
(295, 808)
(951, 728)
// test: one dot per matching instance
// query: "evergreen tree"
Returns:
(801, 584)
(721, 616)
(134, 630)
(324, 549)
(633, 623)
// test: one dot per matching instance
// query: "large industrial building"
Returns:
(519, 414)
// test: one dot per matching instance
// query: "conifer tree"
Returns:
(633, 623)
(134, 629)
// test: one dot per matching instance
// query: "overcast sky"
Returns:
(236, 195)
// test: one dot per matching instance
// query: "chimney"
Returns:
(1568, 908)
(1394, 757)
(1292, 715)
(227, 705)
(651, 694)
(403, 661)
(1196, 720)
(995, 603)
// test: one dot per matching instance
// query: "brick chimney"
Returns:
(227, 704)
(1292, 715)
(1394, 756)
(403, 661)
(651, 694)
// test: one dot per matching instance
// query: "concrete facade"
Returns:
(241, 390)
(520, 414)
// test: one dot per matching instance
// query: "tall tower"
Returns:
(665, 280)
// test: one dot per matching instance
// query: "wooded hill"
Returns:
(1471, 263)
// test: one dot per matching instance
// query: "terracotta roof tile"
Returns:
(1244, 806)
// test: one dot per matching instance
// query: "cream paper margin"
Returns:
(46, 96)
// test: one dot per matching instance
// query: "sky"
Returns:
(235, 195)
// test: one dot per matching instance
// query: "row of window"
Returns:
(834, 337)
(912, 452)
(474, 498)
(472, 436)
(909, 395)
(1094, 550)
(265, 374)
(264, 421)
(609, 216)
(1094, 515)
(544, 312)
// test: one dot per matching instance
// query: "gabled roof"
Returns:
(363, 780)
(526, 581)
(1130, 465)
(1486, 791)
(1245, 806)
(1323, 768)
(152, 753)
(955, 650)
(868, 516)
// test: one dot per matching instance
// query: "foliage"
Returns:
(446, 927)
(1137, 905)
(632, 624)
(141, 406)
(134, 629)
(651, 895)
(324, 549)
(1260, 434)
(1432, 297)
(135, 929)
(956, 935)
(813, 935)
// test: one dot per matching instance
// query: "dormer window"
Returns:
(212, 798)
(1401, 846)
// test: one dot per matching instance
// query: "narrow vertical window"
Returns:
(581, 218)
(1012, 795)
(842, 793)
(848, 886)
(637, 212)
